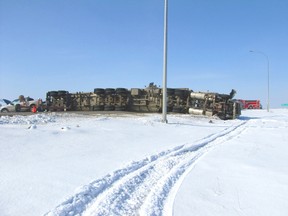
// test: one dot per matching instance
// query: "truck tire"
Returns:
(120, 108)
(222, 116)
(99, 91)
(180, 93)
(53, 93)
(170, 91)
(109, 108)
(177, 110)
(62, 93)
(98, 108)
(109, 91)
(121, 91)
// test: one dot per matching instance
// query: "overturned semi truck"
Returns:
(149, 99)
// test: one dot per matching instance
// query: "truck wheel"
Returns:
(120, 108)
(170, 91)
(62, 93)
(221, 116)
(121, 91)
(179, 93)
(4, 110)
(109, 108)
(53, 93)
(177, 110)
(99, 91)
(109, 91)
(98, 108)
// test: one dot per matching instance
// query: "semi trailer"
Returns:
(149, 99)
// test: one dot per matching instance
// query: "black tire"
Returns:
(109, 91)
(120, 108)
(62, 93)
(98, 108)
(179, 93)
(221, 116)
(17, 107)
(169, 109)
(170, 91)
(53, 93)
(109, 108)
(99, 91)
(4, 110)
(121, 91)
(177, 110)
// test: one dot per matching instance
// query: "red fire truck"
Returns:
(250, 104)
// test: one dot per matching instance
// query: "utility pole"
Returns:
(164, 86)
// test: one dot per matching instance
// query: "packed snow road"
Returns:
(160, 168)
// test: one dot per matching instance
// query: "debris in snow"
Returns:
(65, 128)
(31, 127)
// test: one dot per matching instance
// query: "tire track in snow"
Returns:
(146, 187)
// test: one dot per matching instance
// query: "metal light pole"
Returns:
(164, 104)
(268, 76)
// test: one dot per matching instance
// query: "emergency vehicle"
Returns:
(250, 104)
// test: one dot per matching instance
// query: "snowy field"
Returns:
(70, 164)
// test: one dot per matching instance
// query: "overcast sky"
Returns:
(79, 45)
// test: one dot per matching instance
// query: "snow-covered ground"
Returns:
(69, 164)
